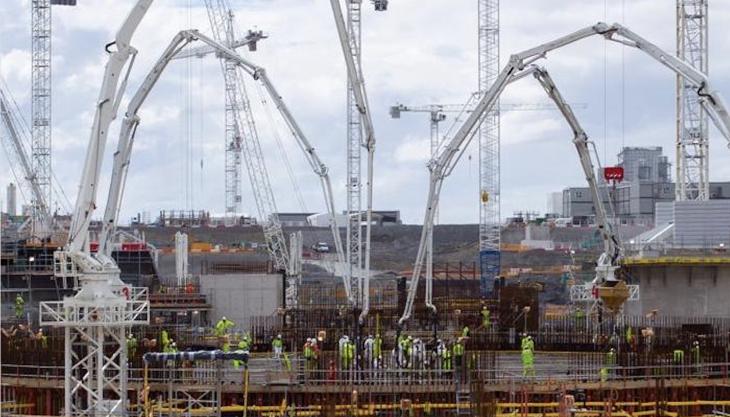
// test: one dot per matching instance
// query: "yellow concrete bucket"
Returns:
(613, 297)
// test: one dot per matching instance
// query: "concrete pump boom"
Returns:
(358, 88)
(106, 111)
(131, 122)
(444, 164)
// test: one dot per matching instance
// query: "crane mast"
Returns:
(693, 149)
(41, 114)
(242, 139)
(358, 287)
(489, 171)
(354, 254)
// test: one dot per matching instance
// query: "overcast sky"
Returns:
(418, 52)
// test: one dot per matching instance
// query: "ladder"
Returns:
(463, 398)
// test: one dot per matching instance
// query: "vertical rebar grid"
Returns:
(489, 188)
(41, 102)
(354, 145)
(692, 128)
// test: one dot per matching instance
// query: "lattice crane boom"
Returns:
(242, 139)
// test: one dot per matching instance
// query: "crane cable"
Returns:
(281, 147)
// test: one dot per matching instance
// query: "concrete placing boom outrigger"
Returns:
(444, 164)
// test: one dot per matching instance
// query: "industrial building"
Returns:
(614, 305)
(646, 182)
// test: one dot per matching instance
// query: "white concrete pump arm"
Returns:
(106, 111)
(444, 164)
(608, 260)
(132, 120)
(361, 99)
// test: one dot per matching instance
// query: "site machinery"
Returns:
(608, 262)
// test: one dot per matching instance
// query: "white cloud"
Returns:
(419, 52)
(413, 150)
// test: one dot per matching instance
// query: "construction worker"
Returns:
(131, 346)
(409, 351)
(164, 340)
(465, 331)
(630, 336)
(19, 307)
(527, 343)
(401, 348)
(223, 326)
(368, 351)
(446, 359)
(439, 354)
(42, 338)
(486, 318)
(277, 346)
(603, 374)
(377, 351)
(344, 340)
(308, 354)
(610, 362)
(678, 356)
(458, 354)
(611, 357)
(528, 362)
(245, 343)
(348, 353)
(696, 358)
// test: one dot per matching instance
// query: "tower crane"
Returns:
(41, 113)
(242, 138)
(437, 113)
(692, 143)
(96, 318)
(517, 67)
(489, 147)
(360, 134)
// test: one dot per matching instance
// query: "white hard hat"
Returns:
(279, 336)
(223, 318)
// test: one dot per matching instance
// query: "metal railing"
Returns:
(267, 372)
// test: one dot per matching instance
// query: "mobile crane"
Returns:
(518, 67)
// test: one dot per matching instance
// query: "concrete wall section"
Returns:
(242, 296)
(684, 290)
